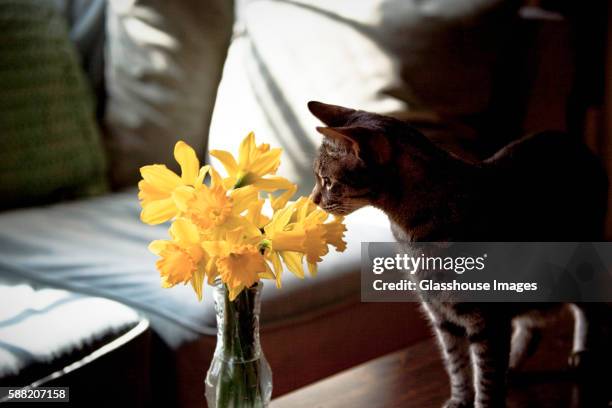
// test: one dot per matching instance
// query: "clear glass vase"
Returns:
(239, 375)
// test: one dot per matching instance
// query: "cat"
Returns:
(544, 187)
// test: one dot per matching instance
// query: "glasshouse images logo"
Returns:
(412, 264)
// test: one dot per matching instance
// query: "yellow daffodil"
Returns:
(213, 208)
(238, 260)
(300, 230)
(310, 214)
(254, 162)
(220, 230)
(182, 259)
(319, 234)
(159, 183)
(284, 241)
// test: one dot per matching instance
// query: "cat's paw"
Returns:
(453, 403)
(579, 360)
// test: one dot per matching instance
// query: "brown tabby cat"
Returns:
(546, 187)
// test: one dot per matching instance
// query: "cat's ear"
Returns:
(340, 135)
(331, 115)
(364, 143)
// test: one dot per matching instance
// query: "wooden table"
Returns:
(415, 377)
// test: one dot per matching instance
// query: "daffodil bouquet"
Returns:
(220, 230)
(237, 228)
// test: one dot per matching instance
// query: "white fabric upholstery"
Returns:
(99, 247)
(42, 325)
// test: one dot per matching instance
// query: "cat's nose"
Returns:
(315, 196)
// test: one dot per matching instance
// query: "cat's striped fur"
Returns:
(519, 194)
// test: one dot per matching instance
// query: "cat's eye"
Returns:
(326, 182)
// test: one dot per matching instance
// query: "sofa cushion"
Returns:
(99, 247)
(163, 65)
(51, 147)
(42, 329)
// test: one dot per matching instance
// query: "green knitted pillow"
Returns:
(50, 148)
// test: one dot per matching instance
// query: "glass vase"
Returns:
(239, 375)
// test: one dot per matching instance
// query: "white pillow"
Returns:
(163, 63)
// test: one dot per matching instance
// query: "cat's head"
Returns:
(351, 165)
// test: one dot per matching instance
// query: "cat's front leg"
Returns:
(490, 347)
(455, 347)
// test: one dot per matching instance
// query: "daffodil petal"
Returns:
(242, 198)
(248, 230)
(278, 267)
(235, 235)
(293, 260)
(303, 207)
(281, 200)
(160, 177)
(211, 270)
(197, 281)
(227, 160)
(187, 159)
(268, 274)
(158, 211)
(216, 248)
(254, 212)
(215, 178)
(315, 218)
(183, 231)
(229, 182)
(148, 192)
(182, 197)
(201, 176)
(246, 147)
(279, 220)
(158, 246)
(273, 183)
(267, 163)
